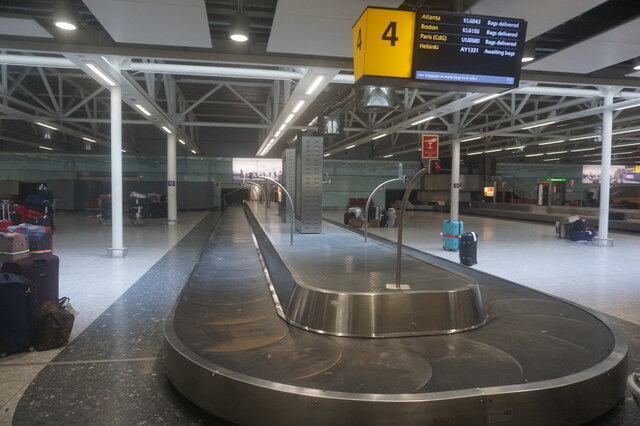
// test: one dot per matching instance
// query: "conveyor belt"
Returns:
(538, 361)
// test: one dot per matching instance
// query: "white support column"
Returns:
(117, 248)
(455, 167)
(172, 194)
(605, 181)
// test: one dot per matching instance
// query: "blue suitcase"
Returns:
(17, 315)
(451, 232)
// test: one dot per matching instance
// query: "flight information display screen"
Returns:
(468, 49)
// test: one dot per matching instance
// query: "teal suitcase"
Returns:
(451, 232)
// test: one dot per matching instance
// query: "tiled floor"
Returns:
(603, 278)
(92, 280)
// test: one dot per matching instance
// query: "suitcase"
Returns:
(40, 238)
(42, 271)
(469, 248)
(17, 315)
(53, 326)
(374, 213)
(451, 232)
(348, 216)
(5, 224)
(580, 235)
(357, 211)
(616, 216)
(13, 246)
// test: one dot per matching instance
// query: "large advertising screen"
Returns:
(247, 168)
(592, 174)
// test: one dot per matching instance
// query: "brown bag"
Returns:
(54, 324)
(13, 246)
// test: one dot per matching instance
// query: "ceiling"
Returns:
(227, 99)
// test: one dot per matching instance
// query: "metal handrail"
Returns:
(266, 196)
(403, 207)
(400, 177)
(288, 198)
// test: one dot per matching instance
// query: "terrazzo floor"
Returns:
(93, 281)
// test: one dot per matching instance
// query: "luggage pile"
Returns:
(376, 217)
(32, 315)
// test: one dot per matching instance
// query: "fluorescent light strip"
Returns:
(475, 153)
(193, 151)
(624, 153)
(182, 142)
(557, 152)
(539, 125)
(387, 156)
(513, 147)
(166, 129)
(378, 137)
(493, 150)
(423, 120)
(276, 134)
(123, 150)
(621, 132)
(592, 155)
(583, 149)
(282, 127)
(626, 144)
(64, 25)
(351, 146)
(486, 98)
(534, 155)
(88, 139)
(551, 159)
(46, 125)
(552, 142)
(297, 107)
(45, 147)
(289, 118)
(327, 154)
(144, 111)
(102, 75)
(315, 84)
(313, 122)
(579, 138)
(471, 138)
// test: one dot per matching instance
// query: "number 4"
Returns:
(389, 33)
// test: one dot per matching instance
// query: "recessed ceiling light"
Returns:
(315, 84)
(46, 125)
(298, 106)
(548, 123)
(423, 120)
(66, 26)
(239, 28)
(102, 75)
(144, 111)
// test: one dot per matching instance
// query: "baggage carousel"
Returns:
(270, 333)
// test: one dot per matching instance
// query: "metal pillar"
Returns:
(172, 192)
(117, 248)
(455, 167)
(607, 129)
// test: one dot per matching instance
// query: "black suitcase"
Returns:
(348, 216)
(42, 271)
(17, 314)
(616, 216)
(469, 248)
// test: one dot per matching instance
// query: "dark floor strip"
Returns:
(113, 374)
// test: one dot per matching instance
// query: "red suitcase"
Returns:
(42, 271)
(13, 246)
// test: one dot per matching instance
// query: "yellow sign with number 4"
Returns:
(383, 43)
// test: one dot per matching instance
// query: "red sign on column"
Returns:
(430, 146)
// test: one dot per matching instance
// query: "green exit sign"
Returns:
(556, 180)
